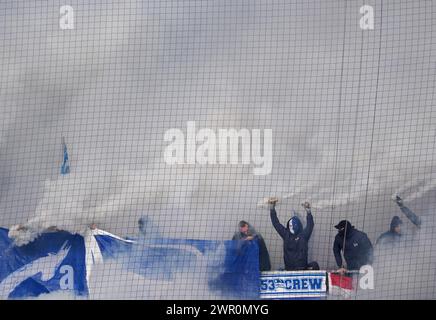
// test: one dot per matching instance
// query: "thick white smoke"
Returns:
(130, 70)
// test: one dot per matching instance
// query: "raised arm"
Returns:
(307, 232)
(408, 213)
(281, 230)
(411, 216)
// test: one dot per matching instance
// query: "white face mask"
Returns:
(291, 227)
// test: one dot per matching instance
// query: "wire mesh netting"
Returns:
(115, 110)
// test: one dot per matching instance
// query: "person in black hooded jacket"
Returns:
(295, 239)
(355, 245)
(394, 233)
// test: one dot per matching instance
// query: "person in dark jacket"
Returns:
(354, 244)
(247, 232)
(295, 239)
(394, 234)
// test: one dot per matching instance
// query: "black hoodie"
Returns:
(390, 236)
(295, 246)
(358, 250)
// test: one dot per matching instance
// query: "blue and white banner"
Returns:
(293, 285)
(61, 262)
(230, 268)
(54, 261)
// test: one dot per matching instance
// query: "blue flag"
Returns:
(65, 168)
